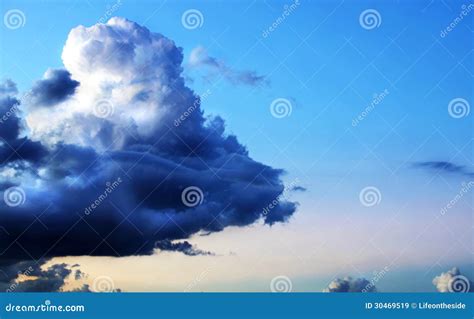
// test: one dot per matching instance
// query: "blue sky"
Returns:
(322, 60)
(413, 91)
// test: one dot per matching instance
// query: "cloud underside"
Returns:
(349, 284)
(67, 153)
(446, 167)
(29, 276)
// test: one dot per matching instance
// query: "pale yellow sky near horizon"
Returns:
(313, 246)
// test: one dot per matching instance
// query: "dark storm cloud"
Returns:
(9, 122)
(13, 147)
(117, 186)
(444, 167)
(183, 247)
(33, 277)
(349, 284)
(78, 274)
(56, 87)
(234, 189)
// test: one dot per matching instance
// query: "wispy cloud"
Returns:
(444, 167)
(184, 247)
(199, 58)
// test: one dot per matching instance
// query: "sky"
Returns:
(354, 116)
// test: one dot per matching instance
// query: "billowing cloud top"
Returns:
(106, 170)
(453, 281)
